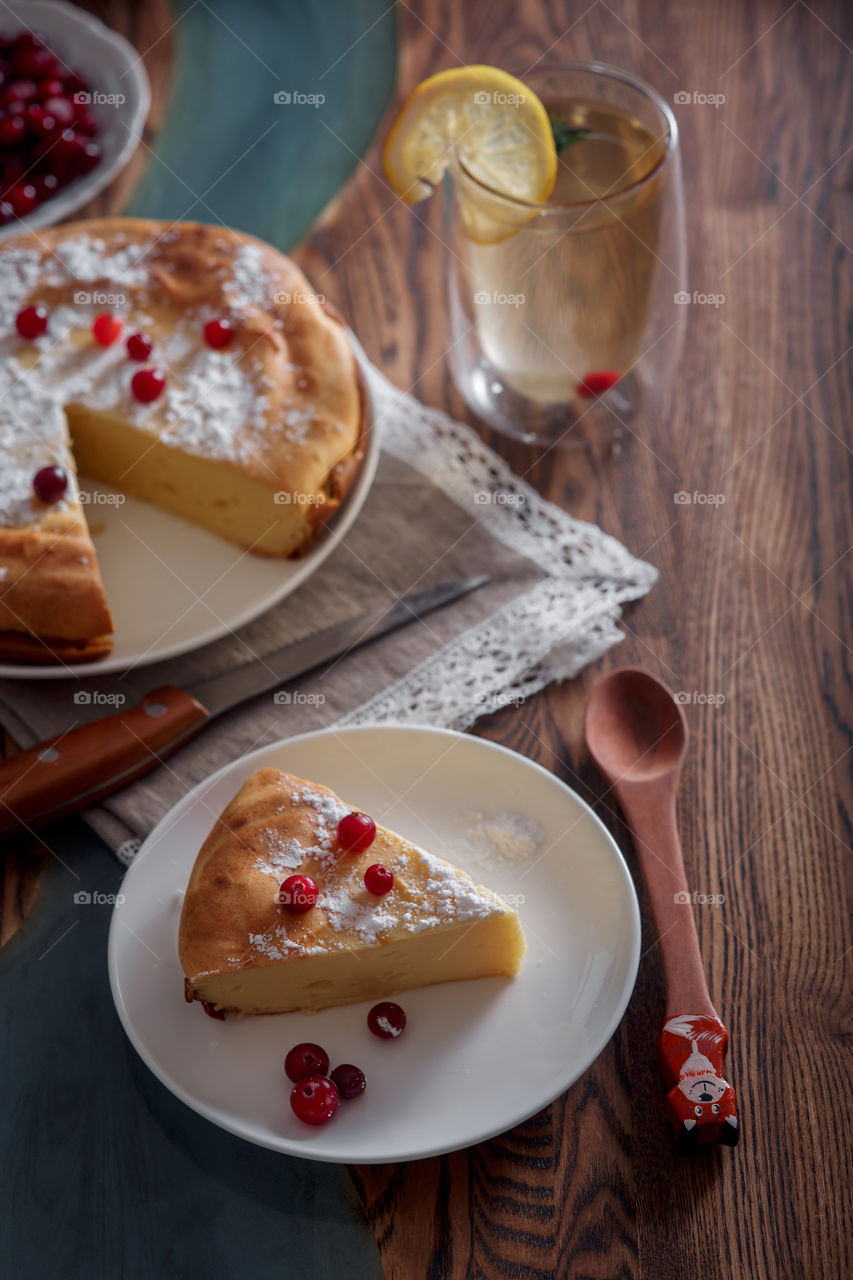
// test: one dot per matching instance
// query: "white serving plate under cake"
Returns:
(477, 1057)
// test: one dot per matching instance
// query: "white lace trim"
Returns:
(548, 633)
(455, 458)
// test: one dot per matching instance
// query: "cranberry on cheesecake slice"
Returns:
(243, 950)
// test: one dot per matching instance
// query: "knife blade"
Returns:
(76, 769)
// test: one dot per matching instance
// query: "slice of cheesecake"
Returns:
(53, 607)
(241, 951)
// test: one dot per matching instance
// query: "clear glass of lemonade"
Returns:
(564, 315)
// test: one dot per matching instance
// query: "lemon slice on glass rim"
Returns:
(491, 123)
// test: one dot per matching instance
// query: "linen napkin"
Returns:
(443, 506)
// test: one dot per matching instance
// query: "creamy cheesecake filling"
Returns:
(450, 954)
(206, 491)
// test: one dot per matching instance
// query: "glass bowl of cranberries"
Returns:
(73, 101)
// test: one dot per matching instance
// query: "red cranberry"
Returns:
(26, 40)
(20, 90)
(139, 346)
(87, 123)
(51, 88)
(106, 328)
(147, 385)
(349, 1080)
(23, 198)
(50, 484)
(13, 170)
(31, 322)
(72, 151)
(356, 832)
(36, 62)
(46, 185)
(89, 155)
(387, 1020)
(378, 879)
(218, 333)
(60, 108)
(12, 129)
(306, 1060)
(314, 1099)
(6, 214)
(595, 384)
(298, 893)
(40, 122)
(64, 150)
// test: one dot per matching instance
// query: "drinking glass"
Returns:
(565, 315)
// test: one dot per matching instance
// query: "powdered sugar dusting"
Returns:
(450, 895)
(216, 403)
(207, 404)
(285, 854)
(24, 452)
(276, 944)
(86, 260)
(493, 840)
(328, 811)
(428, 892)
(251, 284)
(20, 271)
(297, 422)
(362, 914)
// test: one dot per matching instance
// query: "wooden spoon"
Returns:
(636, 733)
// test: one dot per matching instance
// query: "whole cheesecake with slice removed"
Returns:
(242, 952)
(185, 365)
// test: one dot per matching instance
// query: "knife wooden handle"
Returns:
(74, 770)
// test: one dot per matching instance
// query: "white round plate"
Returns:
(112, 68)
(174, 587)
(477, 1057)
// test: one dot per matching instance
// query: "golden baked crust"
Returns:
(278, 825)
(52, 587)
(281, 409)
(47, 651)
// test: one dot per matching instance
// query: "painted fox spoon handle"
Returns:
(637, 734)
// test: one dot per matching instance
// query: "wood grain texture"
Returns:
(754, 603)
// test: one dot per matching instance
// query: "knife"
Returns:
(76, 769)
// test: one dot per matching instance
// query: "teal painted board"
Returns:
(229, 151)
(106, 1175)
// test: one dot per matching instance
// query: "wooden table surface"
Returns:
(753, 603)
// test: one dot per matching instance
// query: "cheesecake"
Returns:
(186, 365)
(244, 952)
